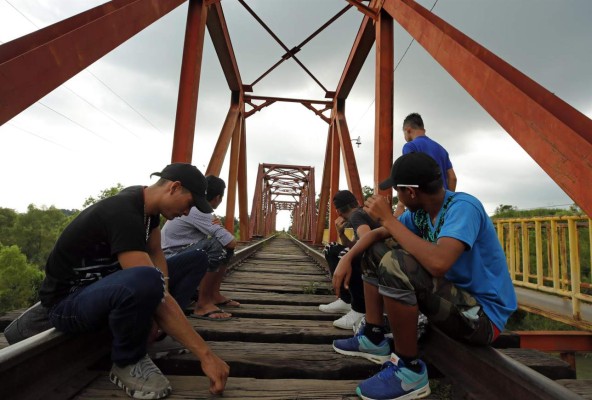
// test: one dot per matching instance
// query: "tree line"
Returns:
(26, 239)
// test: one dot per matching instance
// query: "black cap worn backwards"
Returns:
(412, 170)
(191, 179)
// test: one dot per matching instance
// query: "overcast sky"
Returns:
(113, 123)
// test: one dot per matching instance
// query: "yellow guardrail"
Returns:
(550, 254)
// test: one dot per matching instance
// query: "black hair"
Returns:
(433, 186)
(216, 187)
(414, 121)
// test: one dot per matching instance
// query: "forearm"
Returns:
(344, 239)
(426, 253)
(170, 318)
(366, 241)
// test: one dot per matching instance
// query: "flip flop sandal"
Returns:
(207, 316)
(226, 303)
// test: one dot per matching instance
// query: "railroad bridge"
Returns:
(553, 133)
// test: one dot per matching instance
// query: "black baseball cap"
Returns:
(344, 198)
(412, 170)
(191, 179)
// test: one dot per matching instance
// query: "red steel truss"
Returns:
(284, 187)
(557, 136)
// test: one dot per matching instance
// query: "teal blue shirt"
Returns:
(481, 269)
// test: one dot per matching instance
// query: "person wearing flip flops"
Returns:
(107, 269)
(201, 231)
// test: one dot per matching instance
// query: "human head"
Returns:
(216, 187)
(344, 201)
(417, 171)
(190, 179)
(412, 124)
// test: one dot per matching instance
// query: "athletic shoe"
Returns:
(338, 306)
(395, 381)
(361, 346)
(348, 320)
(164, 347)
(142, 380)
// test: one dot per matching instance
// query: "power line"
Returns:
(103, 83)
(396, 66)
(74, 122)
(37, 136)
(128, 104)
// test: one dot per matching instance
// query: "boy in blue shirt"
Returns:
(441, 257)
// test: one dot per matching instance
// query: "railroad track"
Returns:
(278, 347)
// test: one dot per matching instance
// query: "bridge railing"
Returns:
(551, 255)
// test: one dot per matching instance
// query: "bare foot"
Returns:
(226, 302)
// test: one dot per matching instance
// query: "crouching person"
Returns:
(107, 269)
(441, 257)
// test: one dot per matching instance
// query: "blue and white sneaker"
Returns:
(395, 381)
(361, 346)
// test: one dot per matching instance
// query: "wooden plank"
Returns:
(239, 388)
(271, 279)
(582, 387)
(545, 364)
(261, 297)
(260, 360)
(320, 288)
(270, 330)
(282, 312)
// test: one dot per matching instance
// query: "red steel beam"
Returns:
(383, 127)
(325, 189)
(36, 64)
(197, 14)
(217, 159)
(334, 181)
(349, 159)
(557, 136)
(243, 211)
(357, 56)
(561, 341)
(288, 100)
(219, 33)
(233, 176)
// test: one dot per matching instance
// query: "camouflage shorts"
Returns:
(398, 275)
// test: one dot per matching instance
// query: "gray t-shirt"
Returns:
(187, 230)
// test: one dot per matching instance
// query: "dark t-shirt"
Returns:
(87, 249)
(359, 217)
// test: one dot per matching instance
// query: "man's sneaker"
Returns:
(361, 346)
(348, 320)
(165, 347)
(395, 381)
(142, 380)
(338, 306)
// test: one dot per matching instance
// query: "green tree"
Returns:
(112, 191)
(36, 231)
(19, 280)
(8, 218)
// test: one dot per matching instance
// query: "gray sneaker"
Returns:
(142, 380)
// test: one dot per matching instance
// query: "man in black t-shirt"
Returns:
(107, 269)
(351, 300)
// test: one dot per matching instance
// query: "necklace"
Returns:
(147, 224)
(421, 221)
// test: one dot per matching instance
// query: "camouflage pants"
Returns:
(398, 275)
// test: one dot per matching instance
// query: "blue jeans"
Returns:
(126, 302)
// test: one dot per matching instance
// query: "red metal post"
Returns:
(189, 83)
(383, 129)
(242, 185)
(217, 159)
(325, 189)
(335, 156)
(349, 159)
(233, 176)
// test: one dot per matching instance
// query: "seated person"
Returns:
(349, 213)
(442, 256)
(201, 231)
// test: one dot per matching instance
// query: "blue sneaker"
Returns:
(395, 381)
(361, 346)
